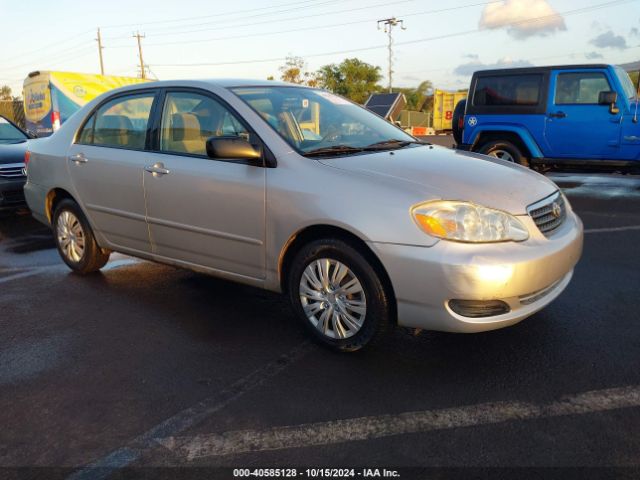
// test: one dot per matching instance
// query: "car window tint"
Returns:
(580, 88)
(189, 119)
(9, 133)
(121, 122)
(85, 137)
(514, 90)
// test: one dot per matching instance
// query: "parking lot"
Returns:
(145, 365)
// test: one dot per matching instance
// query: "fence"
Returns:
(14, 111)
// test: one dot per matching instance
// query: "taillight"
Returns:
(461, 122)
(55, 120)
(27, 157)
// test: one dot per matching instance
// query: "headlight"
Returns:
(467, 222)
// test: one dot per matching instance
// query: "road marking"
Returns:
(120, 458)
(28, 273)
(112, 265)
(367, 428)
(612, 229)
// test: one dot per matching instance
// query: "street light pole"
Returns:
(388, 24)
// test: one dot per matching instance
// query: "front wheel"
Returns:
(75, 241)
(504, 150)
(339, 296)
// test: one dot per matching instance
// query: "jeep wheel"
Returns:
(504, 150)
(457, 122)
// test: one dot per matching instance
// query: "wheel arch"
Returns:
(53, 198)
(516, 135)
(325, 231)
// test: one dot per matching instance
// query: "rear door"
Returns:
(201, 211)
(576, 125)
(106, 164)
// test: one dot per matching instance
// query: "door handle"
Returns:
(78, 158)
(157, 169)
(557, 115)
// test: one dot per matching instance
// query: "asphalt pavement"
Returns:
(146, 370)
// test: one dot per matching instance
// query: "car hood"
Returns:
(13, 152)
(454, 175)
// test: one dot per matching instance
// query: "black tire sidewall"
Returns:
(458, 112)
(513, 150)
(377, 318)
(91, 248)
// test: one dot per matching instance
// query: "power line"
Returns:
(200, 17)
(313, 28)
(409, 42)
(263, 22)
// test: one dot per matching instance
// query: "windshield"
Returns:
(318, 122)
(627, 84)
(9, 133)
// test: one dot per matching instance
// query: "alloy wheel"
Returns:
(333, 298)
(71, 237)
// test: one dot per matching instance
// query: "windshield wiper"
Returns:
(333, 150)
(391, 143)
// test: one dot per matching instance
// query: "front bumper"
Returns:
(526, 275)
(12, 194)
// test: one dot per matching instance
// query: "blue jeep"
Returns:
(580, 115)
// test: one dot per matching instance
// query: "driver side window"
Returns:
(189, 119)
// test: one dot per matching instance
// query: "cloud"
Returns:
(522, 18)
(593, 55)
(468, 68)
(634, 32)
(472, 56)
(609, 39)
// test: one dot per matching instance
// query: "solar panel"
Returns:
(387, 105)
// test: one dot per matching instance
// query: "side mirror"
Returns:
(609, 98)
(229, 147)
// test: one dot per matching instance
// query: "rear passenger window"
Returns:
(121, 122)
(189, 119)
(511, 90)
(580, 88)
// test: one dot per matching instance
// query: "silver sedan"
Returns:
(300, 191)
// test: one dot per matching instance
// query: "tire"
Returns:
(366, 301)
(75, 240)
(504, 150)
(456, 125)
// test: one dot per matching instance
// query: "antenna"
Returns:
(389, 23)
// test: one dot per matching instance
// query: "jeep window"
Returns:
(580, 88)
(625, 81)
(508, 90)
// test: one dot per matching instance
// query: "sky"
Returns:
(442, 41)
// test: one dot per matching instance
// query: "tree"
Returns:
(419, 98)
(352, 78)
(295, 70)
(5, 93)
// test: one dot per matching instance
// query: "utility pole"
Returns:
(137, 35)
(389, 23)
(100, 47)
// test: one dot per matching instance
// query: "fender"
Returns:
(522, 132)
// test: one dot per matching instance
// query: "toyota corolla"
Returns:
(300, 191)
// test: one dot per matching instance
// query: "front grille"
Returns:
(12, 170)
(549, 213)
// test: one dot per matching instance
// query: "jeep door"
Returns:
(201, 211)
(577, 126)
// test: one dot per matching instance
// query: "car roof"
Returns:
(499, 71)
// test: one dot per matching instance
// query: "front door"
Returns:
(106, 164)
(576, 125)
(204, 212)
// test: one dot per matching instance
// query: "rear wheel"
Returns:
(338, 295)
(75, 240)
(504, 150)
